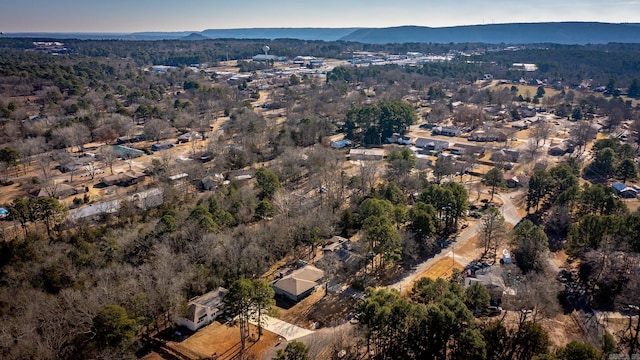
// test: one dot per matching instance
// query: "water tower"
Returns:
(266, 49)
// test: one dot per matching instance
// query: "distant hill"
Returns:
(516, 33)
(194, 37)
(325, 34)
(520, 33)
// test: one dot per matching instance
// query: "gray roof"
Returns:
(300, 281)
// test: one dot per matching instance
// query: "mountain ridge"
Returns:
(570, 32)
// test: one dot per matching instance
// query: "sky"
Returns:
(123, 16)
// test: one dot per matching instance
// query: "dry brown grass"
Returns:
(224, 341)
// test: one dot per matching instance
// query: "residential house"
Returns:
(366, 154)
(211, 181)
(340, 144)
(202, 310)
(466, 149)
(130, 139)
(147, 199)
(431, 144)
(505, 155)
(126, 152)
(162, 146)
(189, 136)
(561, 149)
(327, 140)
(58, 191)
(423, 161)
(299, 283)
(487, 136)
(126, 178)
(446, 131)
(404, 140)
(511, 180)
(75, 164)
(627, 192)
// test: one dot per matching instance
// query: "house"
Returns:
(75, 164)
(466, 149)
(147, 199)
(335, 243)
(485, 136)
(58, 191)
(558, 150)
(340, 144)
(202, 310)
(188, 136)
(339, 248)
(520, 125)
(211, 181)
(366, 154)
(625, 191)
(404, 140)
(511, 180)
(94, 210)
(432, 144)
(327, 140)
(299, 283)
(126, 178)
(126, 152)
(162, 146)
(130, 139)
(505, 155)
(446, 131)
(423, 161)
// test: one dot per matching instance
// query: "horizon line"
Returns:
(308, 27)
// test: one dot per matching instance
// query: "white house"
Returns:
(203, 309)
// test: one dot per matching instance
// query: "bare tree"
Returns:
(28, 148)
(582, 133)
(92, 169)
(109, 156)
(156, 129)
(541, 131)
(46, 172)
(492, 231)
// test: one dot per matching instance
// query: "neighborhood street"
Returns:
(511, 216)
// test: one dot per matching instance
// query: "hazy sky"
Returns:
(196, 15)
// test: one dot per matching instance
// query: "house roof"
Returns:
(212, 300)
(300, 281)
(294, 286)
(619, 186)
(59, 190)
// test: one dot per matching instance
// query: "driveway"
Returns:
(282, 328)
(508, 209)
